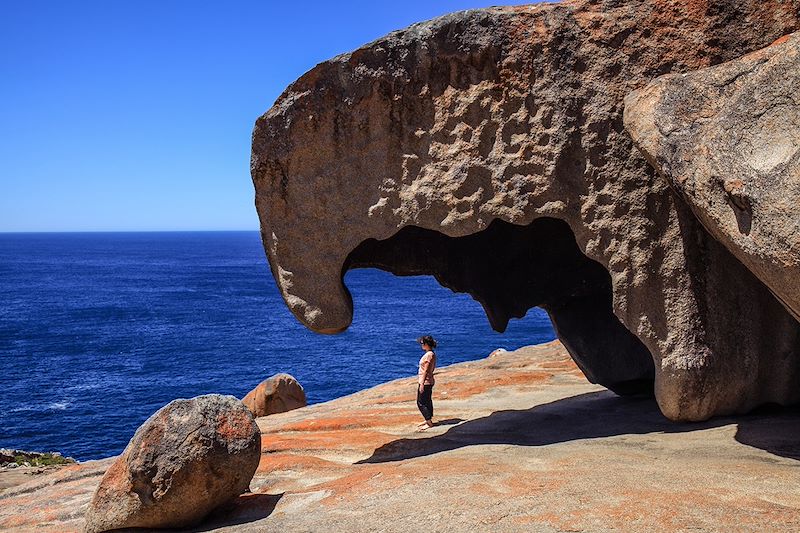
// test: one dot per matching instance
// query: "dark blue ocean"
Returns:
(99, 330)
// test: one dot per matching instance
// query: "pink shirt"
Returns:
(427, 364)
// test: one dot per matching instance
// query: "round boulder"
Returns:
(187, 459)
(277, 394)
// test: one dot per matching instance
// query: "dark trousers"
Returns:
(425, 401)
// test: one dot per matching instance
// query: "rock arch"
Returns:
(509, 269)
(514, 114)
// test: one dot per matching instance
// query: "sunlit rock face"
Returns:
(728, 140)
(495, 118)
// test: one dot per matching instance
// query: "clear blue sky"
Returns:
(137, 115)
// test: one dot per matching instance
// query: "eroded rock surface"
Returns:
(277, 394)
(187, 459)
(504, 116)
(728, 139)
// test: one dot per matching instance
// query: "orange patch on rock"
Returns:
(466, 389)
(668, 511)
(445, 465)
(116, 477)
(288, 461)
(356, 420)
(235, 425)
(324, 440)
(13, 521)
(484, 489)
(532, 483)
(780, 40)
(560, 364)
(351, 485)
(399, 398)
(155, 433)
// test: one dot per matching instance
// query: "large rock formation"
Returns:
(276, 394)
(728, 139)
(487, 148)
(187, 459)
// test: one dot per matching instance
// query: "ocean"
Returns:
(99, 330)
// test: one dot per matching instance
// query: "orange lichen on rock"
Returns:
(234, 425)
(323, 440)
(271, 462)
(465, 389)
(357, 420)
(561, 454)
(357, 484)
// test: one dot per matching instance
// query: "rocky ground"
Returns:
(523, 442)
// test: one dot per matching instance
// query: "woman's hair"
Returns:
(427, 339)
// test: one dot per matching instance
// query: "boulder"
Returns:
(487, 148)
(187, 459)
(728, 140)
(277, 394)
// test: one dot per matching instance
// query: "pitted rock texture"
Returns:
(507, 115)
(187, 459)
(277, 394)
(728, 139)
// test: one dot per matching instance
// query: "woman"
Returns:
(425, 381)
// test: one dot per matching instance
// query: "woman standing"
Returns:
(425, 381)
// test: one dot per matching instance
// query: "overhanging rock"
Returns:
(479, 122)
(728, 140)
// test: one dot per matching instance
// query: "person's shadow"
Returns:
(593, 415)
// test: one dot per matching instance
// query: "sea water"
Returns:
(99, 330)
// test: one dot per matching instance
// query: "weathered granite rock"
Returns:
(487, 148)
(277, 394)
(187, 459)
(728, 140)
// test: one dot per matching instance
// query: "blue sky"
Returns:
(137, 115)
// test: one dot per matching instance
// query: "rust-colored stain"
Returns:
(236, 425)
(14, 521)
(669, 511)
(357, 483)
(324, 440)
(560, 487)
(398, 398)
(117, 474)
(522, 484)
(780, 40)
(289, 461)
(356, 420)
(155, 433)
(465, 389)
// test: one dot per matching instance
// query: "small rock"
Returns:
(187, 459)
(277, 394)
(6, 456)
(499, 351)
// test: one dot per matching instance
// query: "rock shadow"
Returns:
(589, 416)
(772, 428)
(540, 265)
(448, 422)
(246, 508)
